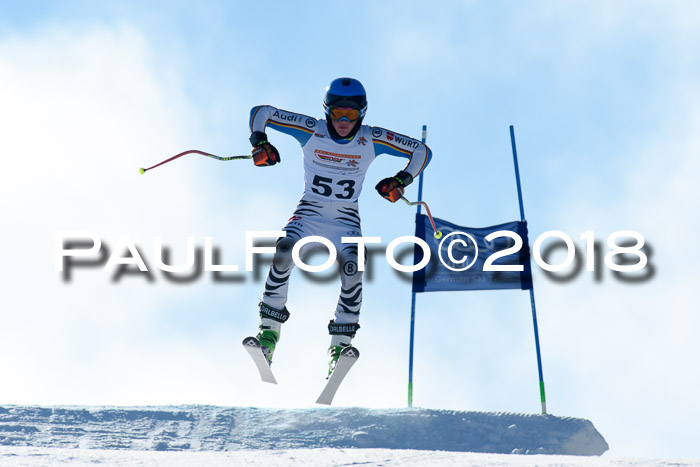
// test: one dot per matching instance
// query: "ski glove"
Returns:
(392, 188)
(264, 153)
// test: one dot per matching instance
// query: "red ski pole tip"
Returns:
(438, 234)
(142, 171)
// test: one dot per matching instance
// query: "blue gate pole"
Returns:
(532, 289)
(413, 294)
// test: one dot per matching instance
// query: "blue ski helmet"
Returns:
(346, 92)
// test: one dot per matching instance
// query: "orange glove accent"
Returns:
(391, 189)
(265, 155)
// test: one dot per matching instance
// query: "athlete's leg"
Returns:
(277, 282)
(350, 299)
(347, 313)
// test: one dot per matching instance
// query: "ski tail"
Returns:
(348, 357)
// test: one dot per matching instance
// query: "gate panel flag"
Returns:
(437, 276)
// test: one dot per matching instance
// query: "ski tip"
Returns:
(351, 352)
(250, 342)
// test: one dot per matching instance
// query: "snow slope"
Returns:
(29, 456)
(207, 428)
(213, 436)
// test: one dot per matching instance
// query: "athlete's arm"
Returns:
(395, 144)
(301, 127)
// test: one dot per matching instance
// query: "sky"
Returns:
(604, 99)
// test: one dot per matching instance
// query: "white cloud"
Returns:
(81, 112)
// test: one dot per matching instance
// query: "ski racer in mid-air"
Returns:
(337, 152)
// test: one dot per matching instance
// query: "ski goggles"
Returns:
(339, 113)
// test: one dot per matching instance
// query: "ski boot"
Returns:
(341, 337)
(271, 321)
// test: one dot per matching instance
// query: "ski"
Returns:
(252, 345)
(348, 357)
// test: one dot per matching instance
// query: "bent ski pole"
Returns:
(437, 233)
(194, 151)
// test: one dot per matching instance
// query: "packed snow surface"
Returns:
(213, 436)
(28, 456)
(208, 428)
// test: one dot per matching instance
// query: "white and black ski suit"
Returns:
(334, 171)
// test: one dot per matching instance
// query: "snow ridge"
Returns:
(209, 428)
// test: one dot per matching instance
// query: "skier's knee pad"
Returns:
(350, 273)
(283, 254)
